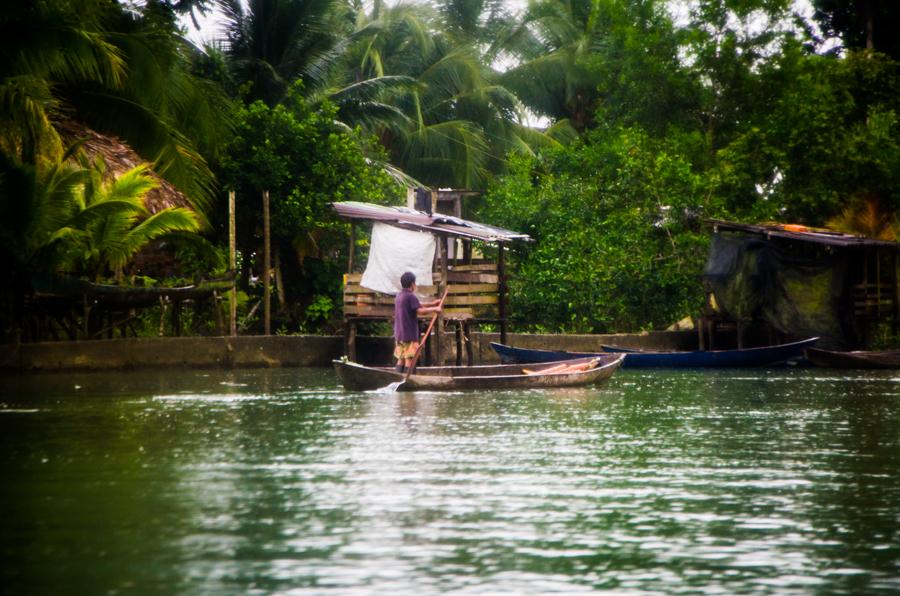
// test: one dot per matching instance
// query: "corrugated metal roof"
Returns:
(436, 223)
(791, 232)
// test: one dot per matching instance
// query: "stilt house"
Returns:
(445, 252)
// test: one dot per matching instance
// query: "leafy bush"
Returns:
(617, 243)
(306, 161)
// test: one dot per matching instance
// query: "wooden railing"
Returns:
(873, 300)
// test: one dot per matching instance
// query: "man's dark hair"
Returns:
(407, 280)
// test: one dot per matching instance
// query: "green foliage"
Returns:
(306, 161)
(119, 70)
(450, 123)
(730, 114)
(828, 135)
(74, 219)
(885, 335)
(319, 312)
(587, 62)
(617, 247)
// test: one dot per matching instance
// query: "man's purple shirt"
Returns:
(406, 323)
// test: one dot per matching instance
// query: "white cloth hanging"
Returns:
(395, 250)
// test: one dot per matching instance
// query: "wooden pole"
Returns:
(352, 248)
(501, 270)
(445, 281)
(232, 263)
(267, 266)
(896, 293)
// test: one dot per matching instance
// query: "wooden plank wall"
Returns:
(474, 294)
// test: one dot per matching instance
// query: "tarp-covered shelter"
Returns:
(803, 282)
(442, 249)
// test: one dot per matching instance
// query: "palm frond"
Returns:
(175, 219)
(866, 217)
(131, 185)
(451, 153)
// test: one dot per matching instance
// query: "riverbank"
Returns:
(280, 351)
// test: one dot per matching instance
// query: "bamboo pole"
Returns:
(267, 266)
(232, 263)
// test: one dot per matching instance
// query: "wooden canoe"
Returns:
(357, 377)
(748, 357)
(855, 359)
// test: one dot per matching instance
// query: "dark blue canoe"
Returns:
(749, 357)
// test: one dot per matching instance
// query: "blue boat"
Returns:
(748, 357)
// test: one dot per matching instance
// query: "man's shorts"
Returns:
(406, 349)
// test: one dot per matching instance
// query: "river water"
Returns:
(255, 482)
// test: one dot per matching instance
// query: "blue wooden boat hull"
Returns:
(749, 357)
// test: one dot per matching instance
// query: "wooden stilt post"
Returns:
(501, 270)
(459, 342)
(350, 326)
(895, 295)
(701, 344)
(351, 340)
(86, 328)
(445, 279)
(267, 266)
(232, 263)
(176, 318)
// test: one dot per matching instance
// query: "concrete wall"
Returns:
(293, 350)
(192, 352)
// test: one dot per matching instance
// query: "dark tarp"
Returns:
(799, 289)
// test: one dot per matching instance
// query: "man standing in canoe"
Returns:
(407, 310)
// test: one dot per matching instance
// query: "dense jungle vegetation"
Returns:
(606, 129)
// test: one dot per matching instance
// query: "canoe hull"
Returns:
(750, 357)
(856, 359)
(357, 377)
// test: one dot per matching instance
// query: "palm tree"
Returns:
(273, 43)
(46, 45)
(121, 72)
(414, 77)
(110, 224)
(573, 57)
(553, 45)
(458, 122)
(75, 219)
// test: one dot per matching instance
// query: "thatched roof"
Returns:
(120, 158)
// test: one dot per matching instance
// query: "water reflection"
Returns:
(242, 481)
